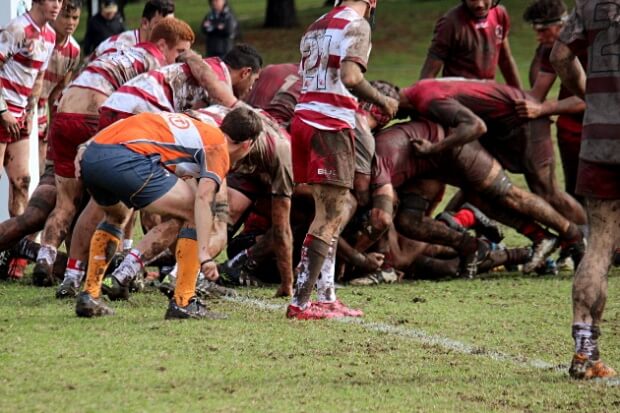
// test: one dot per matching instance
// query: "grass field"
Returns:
(498, 343)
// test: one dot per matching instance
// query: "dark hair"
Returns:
(152, 7)
(71, 5)
(544, 11)
(244, 55)
(242, 124)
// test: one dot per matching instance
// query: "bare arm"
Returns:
(508, 66)
(283, 241)
(542, 85)
(207, 79)
(431, 67)
(203, 215)
(353, 78)
(219, 231)
(532, 110)
(569, 69)
(469, 127)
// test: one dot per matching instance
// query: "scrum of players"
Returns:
(304, 174)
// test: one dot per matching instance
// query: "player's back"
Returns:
(272, 79)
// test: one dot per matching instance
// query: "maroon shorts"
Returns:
(43, 124)
(23, 134)
(109, 116)
(598, 181)
(569, 143)
(322, 157)
(67, 132)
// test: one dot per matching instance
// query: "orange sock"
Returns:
(103, 246)
(187, 272)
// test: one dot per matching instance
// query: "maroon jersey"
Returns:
(494, 103)
(573, 121)
(470, 47)
(593, 26)
(395, 163)
(271, 80)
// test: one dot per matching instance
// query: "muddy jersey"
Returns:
(441, 99)
(269, 159)
(110, 71)
(593, 26)
(325, 102)
(65, 59)
(470, 47)
(179, 141)
(117, 42)
(272, 79)
(171, 88)
(25, 50)
(395, 162)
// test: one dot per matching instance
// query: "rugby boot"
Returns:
(339, 308)
(485, 226)
(5, 260)
(582, 368)
(388, 276)
(236, 271)
(167, 285)
(509, 258)
(195, 309)
(42, 274)
(541, 249)
(17, 268)
(137, 283)
(312, 312)
(67, 289)
(209, 289)
(549, 267)
(469, 263)
(87, 306)
(114, 289)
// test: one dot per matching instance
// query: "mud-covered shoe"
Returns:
(388, 276)
(5, 260)
(209, 289)
(67, 289)
(195, 309)
(167, 285)
(540, 251)
(485, 226)
(582, 368)
(114, 289)
(43, 274)
(87, 306)
(312, 312)
(469, 263)
(339, 308)
(17, 267)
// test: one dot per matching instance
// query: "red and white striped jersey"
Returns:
(25, 50)
(110, 71)
(168, 89)
(65, 59)
(117, 42)
(340, 35)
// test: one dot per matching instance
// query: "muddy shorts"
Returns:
(67, 132)
(469, 167)
(109, 116)
(322, 157)
(598, 181)
(113, 173)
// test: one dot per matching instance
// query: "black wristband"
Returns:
(206, 261)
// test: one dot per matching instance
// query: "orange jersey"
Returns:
(180, 141)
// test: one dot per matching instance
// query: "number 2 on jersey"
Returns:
(315, 54)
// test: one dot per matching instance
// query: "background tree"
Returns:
(281, 13)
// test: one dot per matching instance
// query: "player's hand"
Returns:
(10, 124)
(422, 147)
(373, 262)
(390, 106)
(186, 55)
(209, 270)
(528, 109)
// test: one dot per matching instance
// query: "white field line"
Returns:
(430, 339)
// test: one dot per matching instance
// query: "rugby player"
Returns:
(26, 45)
(147, 149)
(153, 12)
(77, 120)
(63, 63)
(322, 142)
(471, 41)
(593, 26)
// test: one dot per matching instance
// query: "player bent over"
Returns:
(131, 164)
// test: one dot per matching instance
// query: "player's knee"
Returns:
(20, 183)
(500, 187)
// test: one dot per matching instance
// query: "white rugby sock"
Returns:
(47, 253)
